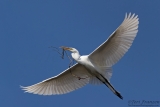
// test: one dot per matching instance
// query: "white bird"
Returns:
(94, 68)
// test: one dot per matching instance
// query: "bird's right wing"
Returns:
(67, 81)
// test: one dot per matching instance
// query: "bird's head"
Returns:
(73, 50)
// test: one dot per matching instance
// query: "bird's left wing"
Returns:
(67, 81)
(108, 53)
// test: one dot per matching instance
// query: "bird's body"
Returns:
(95, 68)
(92, 70)
(84, 60)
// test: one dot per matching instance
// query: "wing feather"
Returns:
(63, 83)
(118, 43)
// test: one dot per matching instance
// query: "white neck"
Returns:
(76, 56)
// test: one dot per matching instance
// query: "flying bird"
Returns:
(95, 68)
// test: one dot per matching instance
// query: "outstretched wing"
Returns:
(118, 43)
(67, 81)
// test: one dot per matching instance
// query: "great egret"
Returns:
(94, 68)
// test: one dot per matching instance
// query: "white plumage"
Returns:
(94, 68)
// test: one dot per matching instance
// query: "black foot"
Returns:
(119, 95)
